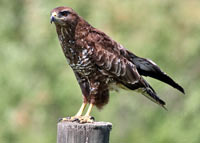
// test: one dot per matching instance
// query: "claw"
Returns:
(75, 120)
(78, 119)
(92, 118)
(64, 119)
(60, 119)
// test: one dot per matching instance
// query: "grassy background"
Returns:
(37, 86)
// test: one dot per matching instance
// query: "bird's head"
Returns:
(64, 16)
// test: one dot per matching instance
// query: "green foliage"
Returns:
(37, 86)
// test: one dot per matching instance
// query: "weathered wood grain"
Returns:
(73, 132)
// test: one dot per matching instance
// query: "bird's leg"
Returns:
(89, 110)
(80, 112)
(77, 116)
(87, 118)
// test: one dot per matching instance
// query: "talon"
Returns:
(78, 121)
(65, 119)
(75, 119)
(60, 119)
(92, 118)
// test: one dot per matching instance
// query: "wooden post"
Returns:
(73, 132)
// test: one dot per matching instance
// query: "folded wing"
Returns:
(108, 58)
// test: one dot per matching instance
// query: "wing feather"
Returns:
(115, 64)
(109, 58)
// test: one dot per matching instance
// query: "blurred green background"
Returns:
(37, 86)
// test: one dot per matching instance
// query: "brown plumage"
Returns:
(99, 62)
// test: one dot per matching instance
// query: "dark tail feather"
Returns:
(144, 88)
(149, 92)
(153, 97)
(149, 68)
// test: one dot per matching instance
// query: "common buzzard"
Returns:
(101, 64)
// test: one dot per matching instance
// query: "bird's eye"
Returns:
(64, 13)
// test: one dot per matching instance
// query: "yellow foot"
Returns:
(69, 119)
(86, 119)
(79, 119)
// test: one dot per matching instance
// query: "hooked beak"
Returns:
(53, 17)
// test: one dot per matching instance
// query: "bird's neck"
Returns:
(66, 37)
(65, 33)
(82, 29)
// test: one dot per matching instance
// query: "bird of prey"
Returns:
(101, 64)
